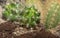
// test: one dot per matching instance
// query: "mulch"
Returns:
(7, 29)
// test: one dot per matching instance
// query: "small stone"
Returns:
(14, 32)
(18, 32)
(21, 28)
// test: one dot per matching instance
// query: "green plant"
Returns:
(53, 16)
(30, 16)
(11, 11)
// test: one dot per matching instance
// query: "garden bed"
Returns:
(12, 30)
(24, 22)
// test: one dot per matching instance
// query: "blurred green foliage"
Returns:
(53, 16)
(29, 16)
(11, 11)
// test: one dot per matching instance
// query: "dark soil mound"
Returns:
(6, 31)
(5, 35)
(7, 26)
(36, 34)
(1, 35)
(45, 34)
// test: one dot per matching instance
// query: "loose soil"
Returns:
(10, 30)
